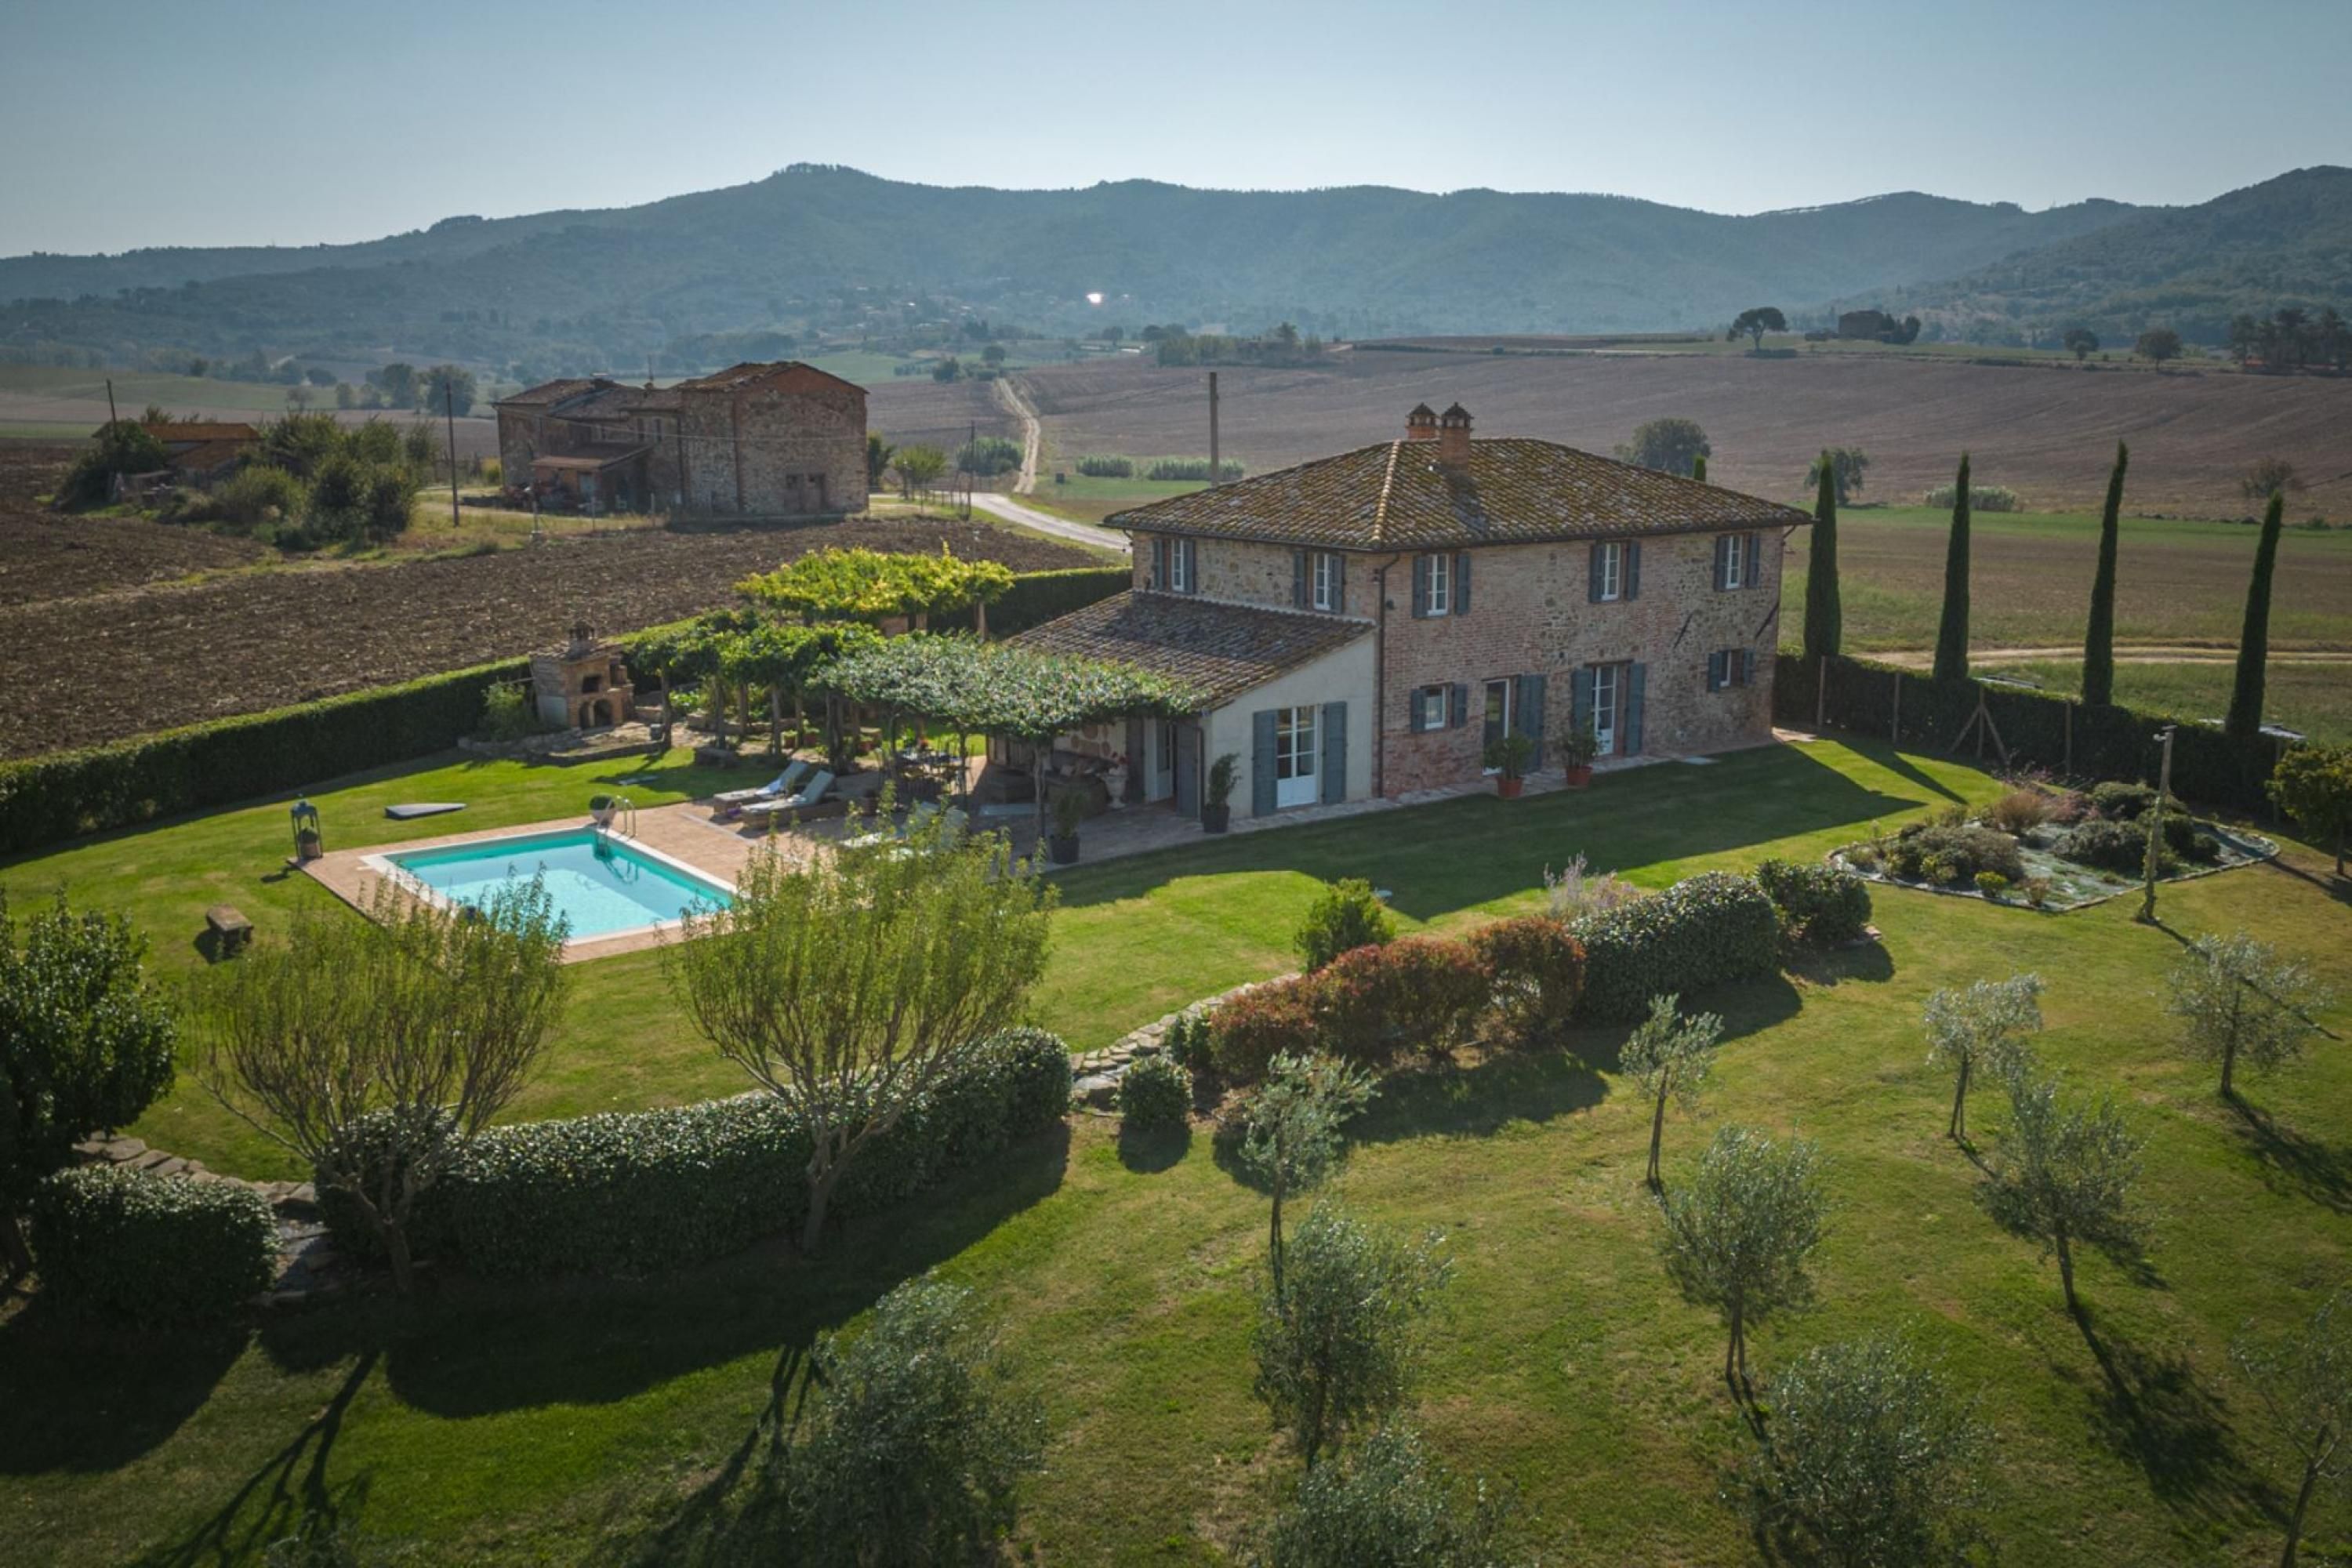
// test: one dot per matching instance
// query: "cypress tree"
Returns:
(2099, 641)
(1952, 634)
(1698, 467)
(1824, 619)
(2245, 718)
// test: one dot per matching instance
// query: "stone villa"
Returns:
(1364, 623)
(784, 439)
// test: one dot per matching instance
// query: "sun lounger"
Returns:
(782, 784)
(819, 786)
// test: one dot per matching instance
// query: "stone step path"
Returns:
(1097, 1073)
(309, 1267)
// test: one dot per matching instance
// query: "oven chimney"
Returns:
(1454, 438)
(1421, 425)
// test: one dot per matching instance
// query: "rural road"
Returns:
(1921, 658)
(1011, 510)
(1033, 430)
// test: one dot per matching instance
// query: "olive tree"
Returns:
(2237, 999)
(1291, 1131)
(1740, 1231)
(1669, 1057)
(920, 1438)
(373, 1048)
(2313, 785)
(1984, 1024)
(2064, 1173)
(2303, 1378)
(1338, 1346)
(85, 1045)
(1386, 1505)
(1873, 1455)
(850, 988)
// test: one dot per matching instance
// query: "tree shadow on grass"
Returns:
(1868, 966)
(1152, 1152)
(2152, 1409)
(91, 1398)
(2293, 1163)
(482, 1347)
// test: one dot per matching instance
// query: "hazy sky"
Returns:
(127, 123)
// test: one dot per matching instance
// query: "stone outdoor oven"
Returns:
(583, 684)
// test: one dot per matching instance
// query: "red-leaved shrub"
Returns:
(1249, 1030)
(1420, 993)
(1536, 970)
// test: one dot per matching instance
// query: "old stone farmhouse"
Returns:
(784, 439)
(1364, 623)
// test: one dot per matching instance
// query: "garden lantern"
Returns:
(308, 842)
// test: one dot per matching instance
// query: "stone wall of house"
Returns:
(1530, 613)
(1251, 573)
(764, 453)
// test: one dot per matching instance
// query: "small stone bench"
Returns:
(229, 929)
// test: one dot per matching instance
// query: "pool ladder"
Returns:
(624, 816)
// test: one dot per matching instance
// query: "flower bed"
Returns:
(2045, 880)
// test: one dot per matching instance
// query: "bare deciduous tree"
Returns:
(850, 988)
(1983, 1025)
(373, 1048)
(1669, 1057)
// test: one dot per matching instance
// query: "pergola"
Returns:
(1004, 689)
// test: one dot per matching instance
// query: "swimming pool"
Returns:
(603, 884)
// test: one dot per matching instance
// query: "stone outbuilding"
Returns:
(582, 685)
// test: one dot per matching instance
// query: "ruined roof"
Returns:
(552, 392)
(783, 376)
(204, 457)
(1221, 649)
(1397, 496)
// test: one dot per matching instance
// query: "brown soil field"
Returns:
(46, 556)
(914, 409)
(125, 661)
(2046, 431)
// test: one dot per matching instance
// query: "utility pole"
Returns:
(2155, 828)
(449, 407)
(112, 416)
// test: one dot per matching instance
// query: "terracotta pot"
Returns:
(1579, 777)
(1507, 788)
(603, 815)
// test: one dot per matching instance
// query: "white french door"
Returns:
(1295, 756)
(1608, 705)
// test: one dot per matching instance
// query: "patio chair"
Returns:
(819, 786)
(783, 783)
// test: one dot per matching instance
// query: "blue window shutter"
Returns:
(1754, 557)
(1191, 565)
(1261, 724)
(1580, 698)
(1722, 561)
(1748, 666)
(1632, 569)
(1457, 707)
(1160, 564)
(1635, 679)
(1299, 559)
(1338, 584)
(1334, 752)
(1462, 583)
(1421, 587)
(1715, 672)
(1592, 576)
(1529, 714)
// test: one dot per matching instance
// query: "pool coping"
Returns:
(680, 835)
(385, 862)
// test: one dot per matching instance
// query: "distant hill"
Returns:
(2287, 241)
(816, 248)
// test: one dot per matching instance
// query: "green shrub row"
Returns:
(1816, 903)
(2106, 742)
(1704, 930)
(1036, 597)
(116, 1243)
(1103, 466)
(634, 1192)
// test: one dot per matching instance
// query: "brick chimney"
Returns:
(1454, 436)
(1421, 425)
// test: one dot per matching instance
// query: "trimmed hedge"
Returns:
(156, 1249)
(1247, 1032)
(47, 800)
(1373, 1005)
(1154, 1093)
(1036, 597)
(2108, 742)
(1704, 930)
(1817, 903)
(1536, 970)
(634, 1192)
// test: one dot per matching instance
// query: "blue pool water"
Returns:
(600, 884)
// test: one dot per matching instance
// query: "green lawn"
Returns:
(2314, 698)
(616, 1421)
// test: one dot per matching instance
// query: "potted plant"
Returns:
(1576, 752)
(1509, 755)
(1216, 813)
(602, 807)
(1069, 810)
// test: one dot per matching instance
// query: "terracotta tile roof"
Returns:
(206, 456)
(785, 375)
(656, 400)
(1225, 650)
(548, 393)
(175, 432)
(1396, 496)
